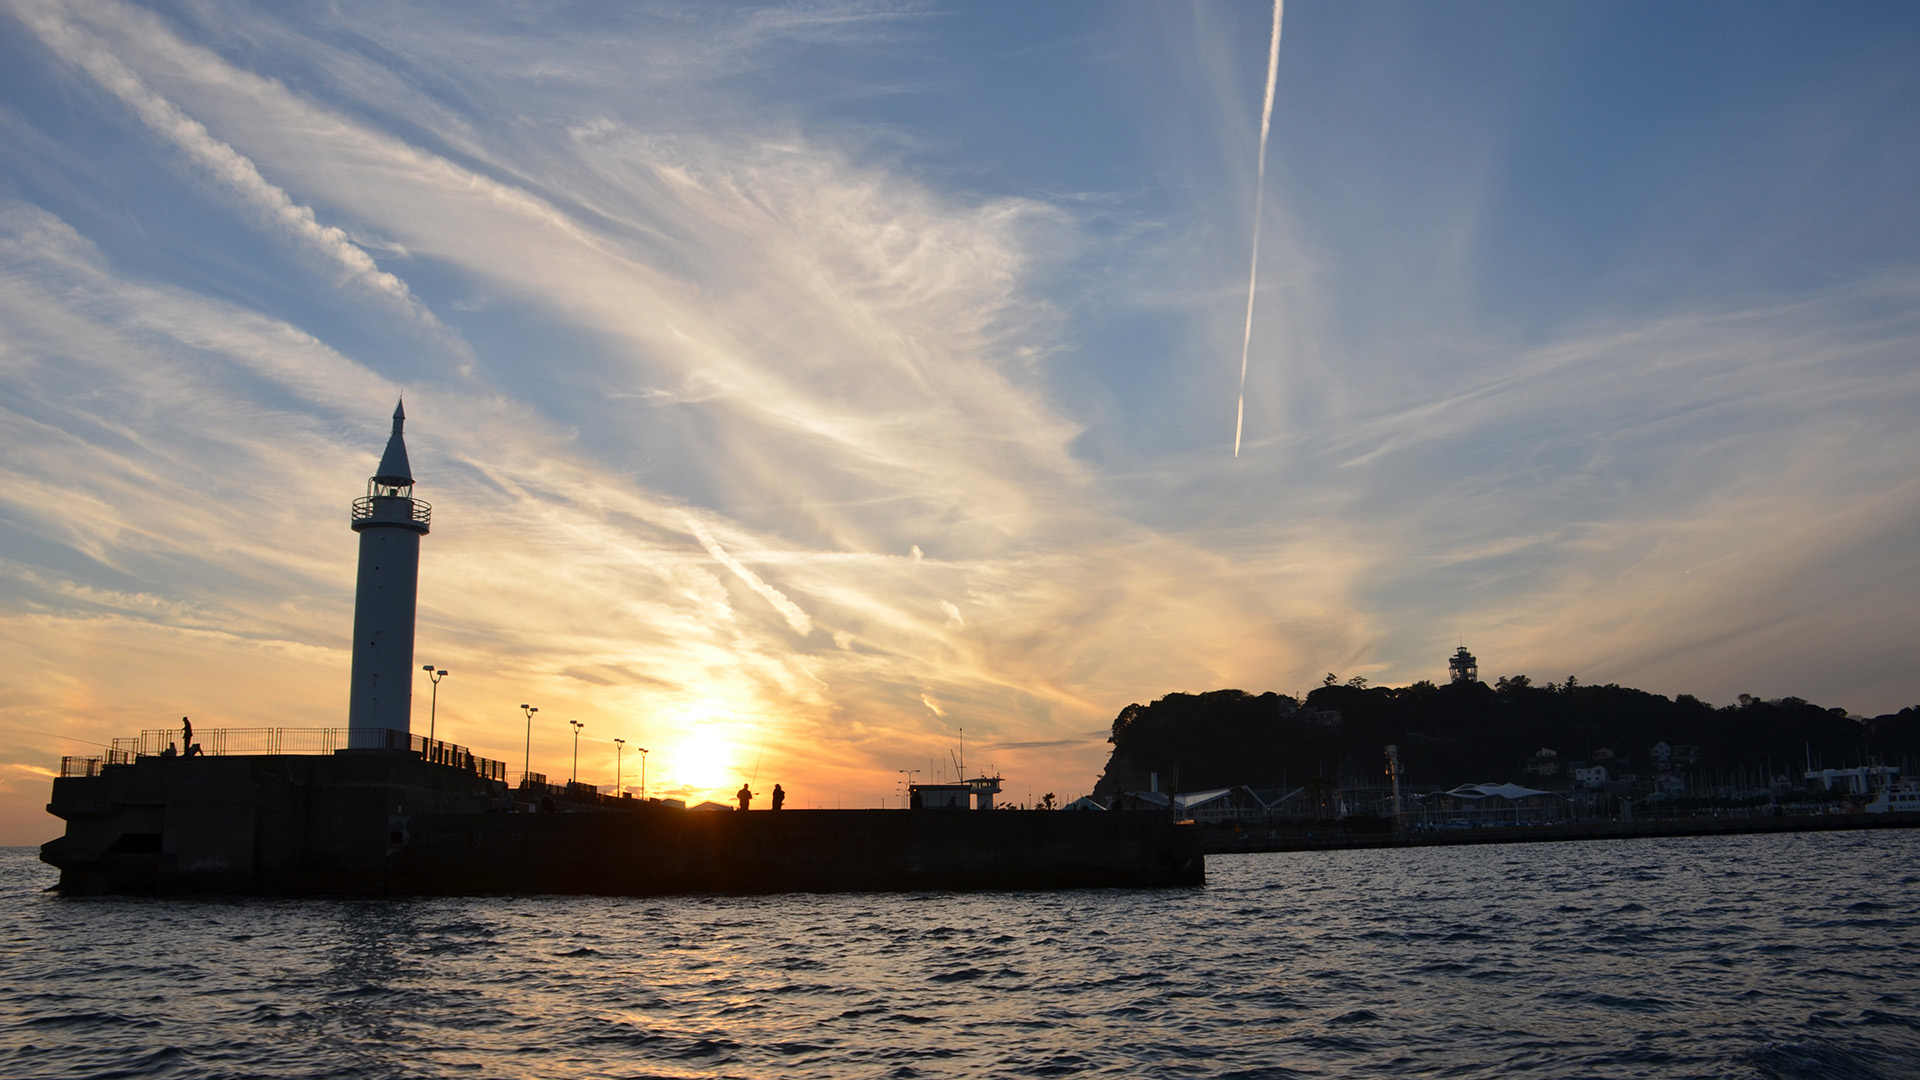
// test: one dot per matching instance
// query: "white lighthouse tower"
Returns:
(390, 522)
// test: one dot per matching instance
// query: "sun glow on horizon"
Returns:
(702, 760)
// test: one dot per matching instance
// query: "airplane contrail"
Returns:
(1259, 196)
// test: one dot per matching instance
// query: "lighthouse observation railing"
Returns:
(397, 508)
(221, 742)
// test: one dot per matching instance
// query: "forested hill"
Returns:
(1471, 732)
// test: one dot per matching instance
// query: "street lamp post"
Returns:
(577, 725)
(619, 749)
(908, 795)
(643, 772)
(433, 710)
(527, 763)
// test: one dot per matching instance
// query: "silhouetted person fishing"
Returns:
(779, 796)
(745, 795)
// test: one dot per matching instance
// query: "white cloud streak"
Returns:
(1259, 208)
(802, 624)
(350, 264)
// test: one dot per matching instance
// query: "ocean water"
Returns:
(1780, 956)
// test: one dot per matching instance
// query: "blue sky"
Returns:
(807, 383)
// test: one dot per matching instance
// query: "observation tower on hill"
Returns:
(1462, 666)
(390, 522)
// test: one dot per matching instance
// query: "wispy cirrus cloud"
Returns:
(350, 263)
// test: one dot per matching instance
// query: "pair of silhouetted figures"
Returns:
(745, 796)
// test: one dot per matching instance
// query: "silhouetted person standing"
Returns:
(745, 795)
(186, 732)
(779, 797)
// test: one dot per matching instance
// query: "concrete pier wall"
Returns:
(384, 822)
(256, 823)
(659, 850)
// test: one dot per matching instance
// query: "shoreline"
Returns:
(1332, 837)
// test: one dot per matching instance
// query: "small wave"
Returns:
(1821, 1060)
(1264, 1072)
(1875, 1018)
(624, 1038)
(1338, 1044)
(963, 975)
(706, 1048)
(90, 1019)
(795, 1049)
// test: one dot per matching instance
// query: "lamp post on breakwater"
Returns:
(643, 772)
(527, 762)
(577, 725)
(619, 748)
(433, 709)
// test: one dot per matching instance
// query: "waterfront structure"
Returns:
(390, 522)
(974, 794)
(1221, 806)
(1859, 780)
(1463, 667)
(1898, 797)
(1491, 804)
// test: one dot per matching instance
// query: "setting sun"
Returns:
(701, 762)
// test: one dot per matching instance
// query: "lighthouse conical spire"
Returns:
(394, 470)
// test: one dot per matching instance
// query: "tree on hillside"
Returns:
(1470, 732)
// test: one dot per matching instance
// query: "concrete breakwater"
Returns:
(389, 822)
(658, 850)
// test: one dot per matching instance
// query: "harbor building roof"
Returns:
(1513, 792)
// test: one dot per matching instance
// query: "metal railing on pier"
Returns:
(224, 742)
(533, 786)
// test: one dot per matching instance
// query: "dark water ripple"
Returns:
(1765, 957)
